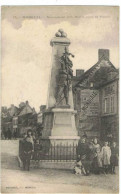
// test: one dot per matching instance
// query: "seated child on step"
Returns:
(79, 168)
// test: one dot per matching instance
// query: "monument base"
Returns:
(63, 123)
(64, 136)
(64, 140)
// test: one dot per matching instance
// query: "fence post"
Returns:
(48, 154)
(60, 150)
(67, 151)
(73, 151)
(57, 151)
(70, 151)
(76, 151)
(64, 155)
(51, 151)
(54, 151)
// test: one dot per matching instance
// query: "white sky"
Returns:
(26, 50)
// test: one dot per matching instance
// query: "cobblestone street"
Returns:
(14, 180)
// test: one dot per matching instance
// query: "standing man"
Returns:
(28, 147)
(83, 152)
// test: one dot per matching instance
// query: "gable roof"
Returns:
(12, 110)
(25, 110)
(90, 72)
(116, 77)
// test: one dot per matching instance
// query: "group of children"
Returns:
(96, 159)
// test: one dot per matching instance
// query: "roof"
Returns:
(25, 110)
(7, 117)
(12, 110)
(110, 81)
(90, 72)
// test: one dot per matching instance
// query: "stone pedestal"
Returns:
(64, 130)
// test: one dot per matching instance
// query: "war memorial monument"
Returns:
(59, 122)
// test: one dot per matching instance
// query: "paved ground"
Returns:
(14, 180)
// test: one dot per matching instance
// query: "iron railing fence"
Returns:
(52, 152)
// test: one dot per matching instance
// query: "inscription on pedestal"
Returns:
(62, 119)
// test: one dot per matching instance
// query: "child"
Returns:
(114, 157)
(97, 157)
(79, 169)
(106, 154)
(36, 151)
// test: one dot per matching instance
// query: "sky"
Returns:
(26, 51)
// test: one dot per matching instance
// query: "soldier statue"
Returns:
(65, 77)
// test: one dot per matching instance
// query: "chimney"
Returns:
(103, 54)
(27, 102)
(42, 108)
(34, 111)
(79, 72)
(22, 104)
(12, 105)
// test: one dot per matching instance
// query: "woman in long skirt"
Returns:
(114, 157)
(97, 159)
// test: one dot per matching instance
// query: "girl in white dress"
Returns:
(106, 154)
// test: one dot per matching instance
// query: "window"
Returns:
(112, 104)
(15, 121)
(108, 105)
(105, 105)
(91, 84)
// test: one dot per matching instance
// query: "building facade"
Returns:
(27, 118)
(18, 120)
(109, 111)
(7, 116)
(96, 98)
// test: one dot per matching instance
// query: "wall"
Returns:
(108, 99)
(109, 110)
(89, 120)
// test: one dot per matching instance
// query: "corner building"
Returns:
(96, 98)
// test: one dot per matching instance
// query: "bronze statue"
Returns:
(65, 77)
(66, 63)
